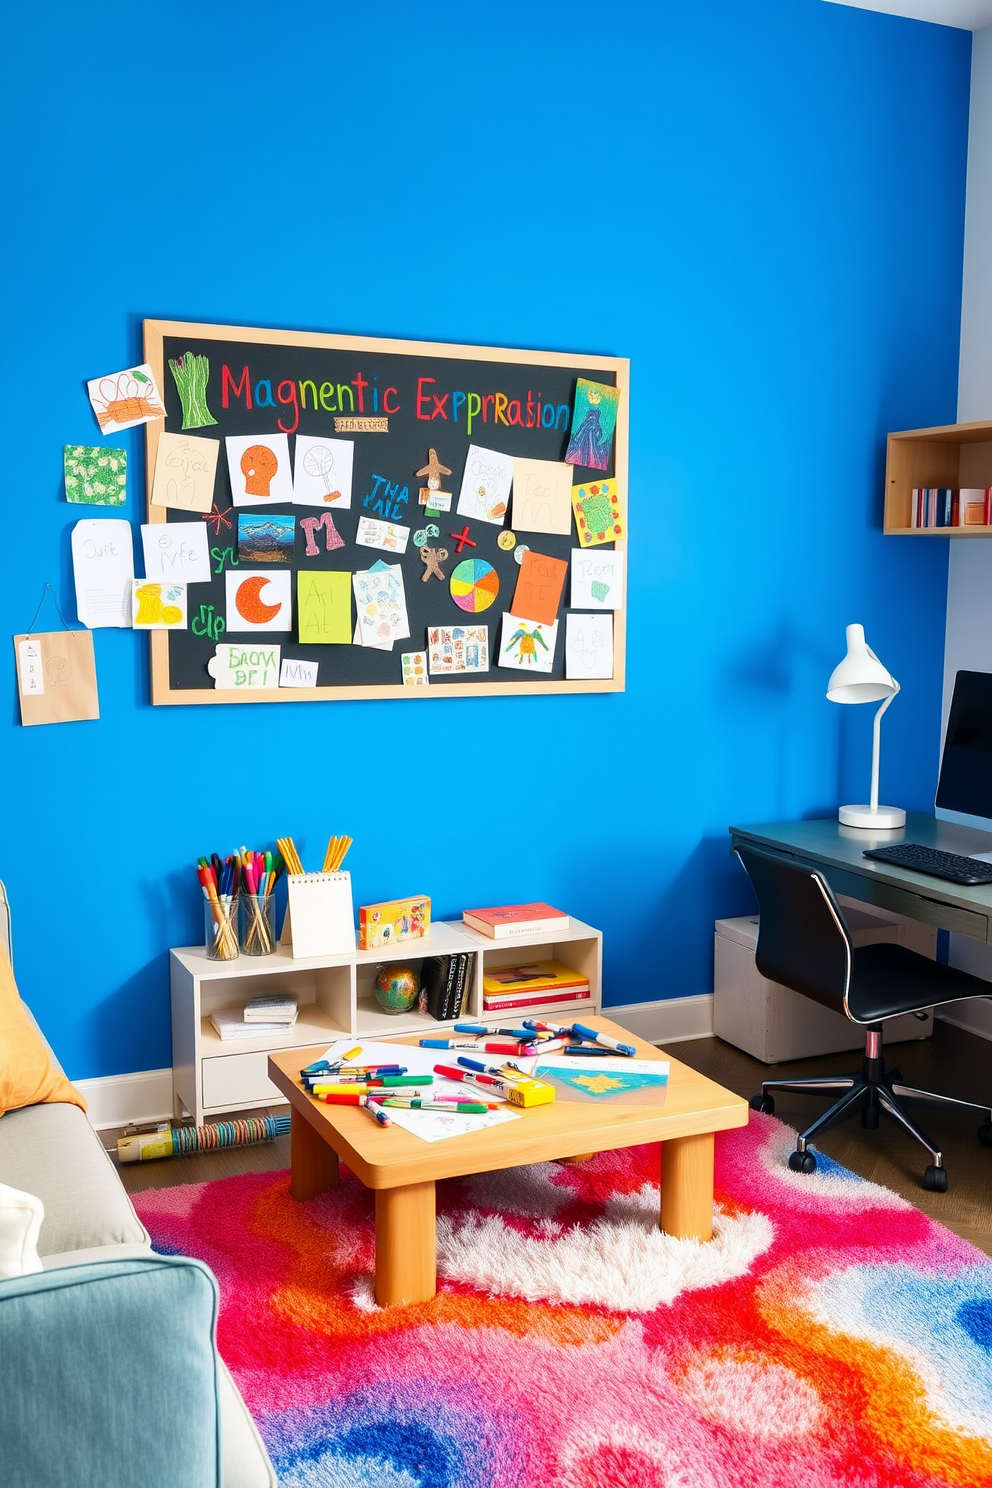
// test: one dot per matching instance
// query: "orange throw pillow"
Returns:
(27, 1076)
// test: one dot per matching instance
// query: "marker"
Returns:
(483, 1069)
(378, 1114)
(528, 1051)
(369, 1083)
(497, 1047)
(582, 1032)
(320, 1067)
(339, 1098)
(520, 1034)
(583, 1051)
(537, 1027)
(464, 1108)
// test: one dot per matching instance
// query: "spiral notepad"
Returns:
(320, 919)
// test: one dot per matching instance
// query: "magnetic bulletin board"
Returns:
(395, 400)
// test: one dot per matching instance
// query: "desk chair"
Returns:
(804, 943)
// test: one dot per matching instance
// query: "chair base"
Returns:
(875, 1089)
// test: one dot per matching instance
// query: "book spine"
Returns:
(914, 508)
(988, 506)
(458, 988)
(447, 999)
(439, 968)
(504, 1004)
(523, 927)
(464, 982)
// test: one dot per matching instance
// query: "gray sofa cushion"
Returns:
(53, 1152)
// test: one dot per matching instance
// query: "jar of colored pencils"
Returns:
(220, 927)
(258, 924)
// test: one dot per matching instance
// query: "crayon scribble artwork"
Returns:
(124, 399)
(594, 418)
(95, 476)
(190, 374)
(267, 537)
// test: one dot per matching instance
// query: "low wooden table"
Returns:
(402, 1170)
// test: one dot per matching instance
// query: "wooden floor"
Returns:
(952, 1061)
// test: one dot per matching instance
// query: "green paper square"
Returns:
(95, 476)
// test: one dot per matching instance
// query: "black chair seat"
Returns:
(889, 979)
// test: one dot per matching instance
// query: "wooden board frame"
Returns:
(155, 332)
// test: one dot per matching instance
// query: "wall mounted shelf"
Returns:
(953, 455)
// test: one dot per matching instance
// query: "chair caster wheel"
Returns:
(985, 1134)
(763, 1103)
(935, 1179)
(802, 1162)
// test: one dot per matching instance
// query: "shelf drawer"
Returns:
(236, 1079)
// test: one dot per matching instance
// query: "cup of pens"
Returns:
(258, 923)
(220, 927)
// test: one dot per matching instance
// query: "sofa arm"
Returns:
(108, 1376)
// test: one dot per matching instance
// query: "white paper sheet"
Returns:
(248, 665)
(380, 605)
(185, 471)
(297, 673)
(322, 471)
(527, 645)
(156, 605)
(258, 600)
(485, 489)
(588, 646)
(259, 468)
(387, 535)
(179, 551)
(597, 579)
(103, 565)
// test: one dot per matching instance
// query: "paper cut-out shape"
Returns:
(158, 606)
(433, 558)
(176, 551)
(185, 472)
(124, 399)
(258, 601)
(486, 481)
(266, 537)
(245, 667)
(474, 585)
(380, 602)
(457, 648)
(322, 471)
(375, 534)
(462, 539)
(539, 586)
(57, 672)
(594, 418)
(103, 565)
(259, 468)
(297, 673)
(527, 645)
(431, 495)
(588, 646)
(541, 496)
(190, 373)
(598, 513)
(332, 537)
(597, 580)
(414, 665)
(95, 476)
(323, 603)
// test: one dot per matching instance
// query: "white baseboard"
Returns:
(669, 1021)
(974, 1016)
(114, 1100)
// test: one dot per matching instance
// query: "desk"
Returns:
(837, 852)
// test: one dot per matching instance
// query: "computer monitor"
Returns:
(964, 790)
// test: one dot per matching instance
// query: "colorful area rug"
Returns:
(831, 1334)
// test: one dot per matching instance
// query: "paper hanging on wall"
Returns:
(124, 399)
(597, 580)
(375, 534)
(527, 645)
(259, 468)
(542, 491)
(158, 606)
(457, 648)
(245, 668)
(322, 471)
(94, 476)
(266, 537)
(176, 551)
(486, 481)
(56, 673)
(323, 607)
(414, 665)
(588, 646)
(298, 673)
(258, 601)
(594, 418)
(380, 602)
(185, 472)
(598, 512)
(539, 587)
(103, 566)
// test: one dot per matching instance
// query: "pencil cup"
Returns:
(220, 929)
(258, 924)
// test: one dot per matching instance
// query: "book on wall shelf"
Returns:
(505, 921)
(934, 507)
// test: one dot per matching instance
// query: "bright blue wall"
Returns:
(762, 209)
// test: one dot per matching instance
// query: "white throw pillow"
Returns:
(20, 1221)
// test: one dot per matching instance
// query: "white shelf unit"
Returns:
(211, 1076)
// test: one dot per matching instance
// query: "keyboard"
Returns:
(931, 860)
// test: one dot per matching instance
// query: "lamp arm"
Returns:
(875, 746)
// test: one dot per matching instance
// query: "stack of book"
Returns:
(940, 506)
(261, 1017)
(506, 921)
(536, 984)
(444, 985)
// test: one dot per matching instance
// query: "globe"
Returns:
(396, 988)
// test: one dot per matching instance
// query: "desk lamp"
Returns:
(861, 678)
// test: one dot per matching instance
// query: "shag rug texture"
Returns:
(830, 1334)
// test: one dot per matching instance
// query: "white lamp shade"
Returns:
(860, 677)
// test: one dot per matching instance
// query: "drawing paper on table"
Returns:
(375, 534)
(588, 646)
(297, 673)
(259, 468)
(176, 550)
(124, 399)
(322, 471)
(94, 476)
(248, 666)
(594, 418)
(158, 606)
(258, 601)
(434, 1126)
(185, 471)
(57, 674)
(542, 492)
(539, 585)
(485, 489)
(323, 607)
(620, 1081)
(597, 580)
(457, 648)
(527, 645)
(103, 565)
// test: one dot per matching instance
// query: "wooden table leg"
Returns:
(405, 1244)
(313, 1164)
(687, 1187)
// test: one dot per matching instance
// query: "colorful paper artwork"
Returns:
(542, 492)
(245, 667)
(597, 580)
(539, 586)
(486, 482)
(124, 399)
(527, 645)
(380, 601)
(375, 534)
(103, 566)
(332, 537)
(323, 605)
(457, 648)
(588, 646)
(474, 585)
(176, 551)
(594, 418)
(598, 513)
(432, 558)
(157, 606)
(259, 468)
(431, 495)
(322, 471)
(185, 471)
(415, 668)
(266, 537)
(295, 672)
(94, 476)
(191, 373)
(57, 677)
(258, 601)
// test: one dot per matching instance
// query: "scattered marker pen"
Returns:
(463, 1108)
(493, 1047)
(582, 1032)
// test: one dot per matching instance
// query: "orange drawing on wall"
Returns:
(258, 466)
(124, 399)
